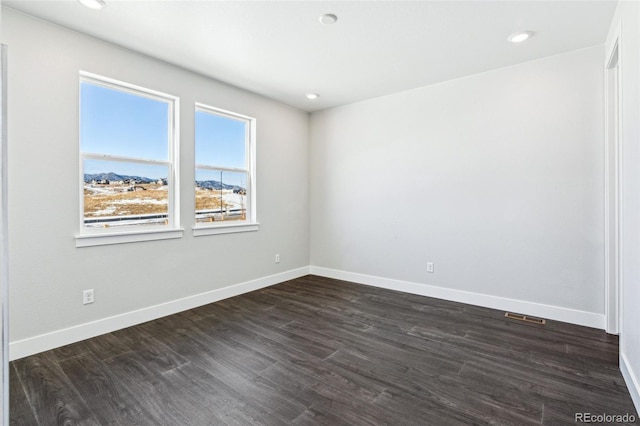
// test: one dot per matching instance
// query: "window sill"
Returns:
(89, 240)
(199, 231)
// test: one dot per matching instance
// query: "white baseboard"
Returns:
(557, 313)
(630, 378)
(55, 339)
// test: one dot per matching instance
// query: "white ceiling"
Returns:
(280, 50)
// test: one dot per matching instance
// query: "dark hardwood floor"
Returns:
(316, 351)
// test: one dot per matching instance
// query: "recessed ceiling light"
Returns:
(312, 96)
(520, 36)
(93, 4)
(328, 18)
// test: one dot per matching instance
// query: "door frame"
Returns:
(4, 244)
(613, 213)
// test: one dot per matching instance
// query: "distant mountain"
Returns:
(114, 177)
(214, 184)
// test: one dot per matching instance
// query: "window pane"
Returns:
(121, 194)
(220, 141)
(116, 122)
(214, 186)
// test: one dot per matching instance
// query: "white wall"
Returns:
(627, 18)
(48, 273)
(496, 177)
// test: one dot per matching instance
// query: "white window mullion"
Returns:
(106, 157)
(220, 168)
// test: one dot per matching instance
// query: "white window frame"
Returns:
(251, 222)
(97, 236)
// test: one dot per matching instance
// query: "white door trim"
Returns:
(4, 245)
(613, 217)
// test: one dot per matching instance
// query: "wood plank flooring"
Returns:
(316, 351)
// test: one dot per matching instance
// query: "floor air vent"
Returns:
(525, 318)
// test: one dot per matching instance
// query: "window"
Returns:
(128, 154)
(224, 172)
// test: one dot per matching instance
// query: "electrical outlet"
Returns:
(88, 297)
(430, 267)
(278, 258)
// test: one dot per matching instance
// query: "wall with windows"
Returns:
(497, 178)
(49, 273)
(626, 25)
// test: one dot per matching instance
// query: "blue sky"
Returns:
(220, 141)
(119, 123)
